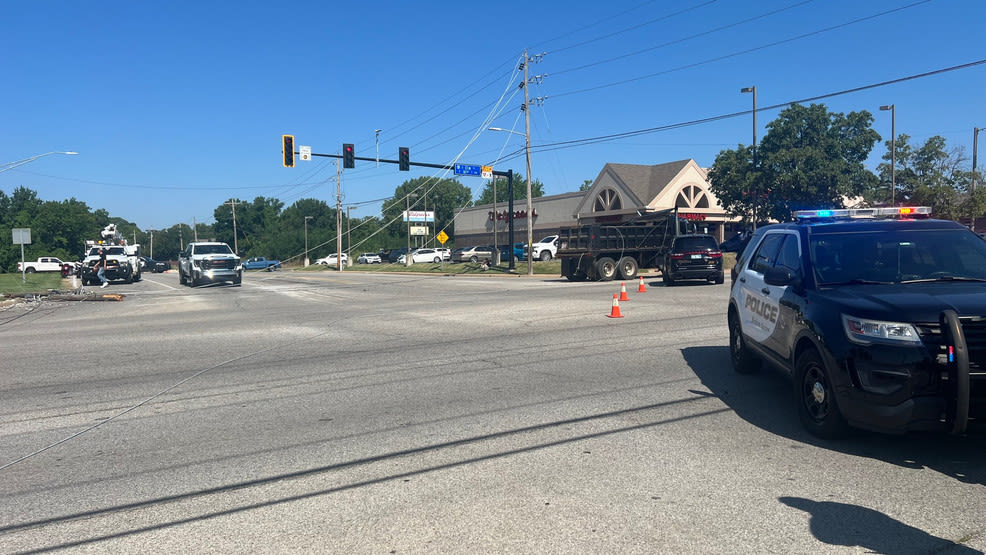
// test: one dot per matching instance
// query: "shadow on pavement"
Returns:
(852, 525)
(766, 400)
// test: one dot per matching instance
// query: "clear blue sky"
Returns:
(177, 106)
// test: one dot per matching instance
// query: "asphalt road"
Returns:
(375, 413)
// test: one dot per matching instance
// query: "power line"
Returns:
(681, 40)
(632, 27)
(615, 136)
(741, 52)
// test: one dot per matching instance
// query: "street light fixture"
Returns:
(306, 238)
(14, 164)
(893, 151)
(753, 90)
(530, 209)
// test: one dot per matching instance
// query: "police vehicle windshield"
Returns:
(898, 256)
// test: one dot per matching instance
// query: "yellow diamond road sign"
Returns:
(442, 237)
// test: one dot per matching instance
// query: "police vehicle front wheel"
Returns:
(744, 362)
(817, 407)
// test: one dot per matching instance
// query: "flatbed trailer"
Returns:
(618, 250)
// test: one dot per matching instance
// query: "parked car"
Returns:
(877, 314)
(544, 250)
(473, 254)
(506, 251)
(422, 255)
(391, 255)
(693, 257)
(43, 264)
(369, 258)
(154, 266)
(333, 260)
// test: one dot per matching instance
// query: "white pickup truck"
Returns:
(43, 264)
(545, 249)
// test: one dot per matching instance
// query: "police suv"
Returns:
(878, 314)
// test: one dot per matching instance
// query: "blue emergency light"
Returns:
(885, 212)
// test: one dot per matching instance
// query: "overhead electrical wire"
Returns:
(741, 52)
(639, 25)
(544, 147)
(681, 40)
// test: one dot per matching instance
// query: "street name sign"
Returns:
(468, 169)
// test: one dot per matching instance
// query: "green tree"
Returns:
(810, 157)
(256, 225)
(443, 196)
(586, 185)
(928, 175)
(321, 230)
(940, 179)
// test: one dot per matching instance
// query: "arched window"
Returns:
(606, 200)
(692, 197)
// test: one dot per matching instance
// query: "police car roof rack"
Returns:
(863, 213)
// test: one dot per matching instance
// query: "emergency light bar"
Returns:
(864, 212)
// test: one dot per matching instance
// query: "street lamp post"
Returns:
(530, 208)
(11, 165)
(306, 238)
(893, 152)
(975, 153)
(753, 90)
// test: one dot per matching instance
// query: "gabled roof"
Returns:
(640, 185)
(646, 182)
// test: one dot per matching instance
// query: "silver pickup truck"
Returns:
(202, 263)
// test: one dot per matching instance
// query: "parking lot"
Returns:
(366, 413)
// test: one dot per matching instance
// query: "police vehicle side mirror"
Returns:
(781, 277)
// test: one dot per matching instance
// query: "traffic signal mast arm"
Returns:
(419, 164)
(403, 152)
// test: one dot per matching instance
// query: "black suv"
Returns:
(693, 257)
(878, 314)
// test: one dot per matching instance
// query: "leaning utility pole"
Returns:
(233, 203)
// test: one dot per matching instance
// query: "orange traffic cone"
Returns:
(641, 289)
(623, 292)
(615, 313)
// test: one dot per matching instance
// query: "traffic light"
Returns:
(404, 158)
(348, 156)
(287, 149)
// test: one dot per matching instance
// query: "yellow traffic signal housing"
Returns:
(287, 149)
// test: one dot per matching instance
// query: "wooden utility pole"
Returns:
(233, 203)
(527, 150)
